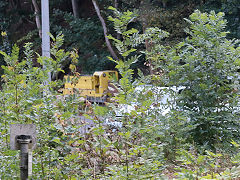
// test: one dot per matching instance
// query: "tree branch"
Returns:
(104, 29)
(75, 8)
(37, 17)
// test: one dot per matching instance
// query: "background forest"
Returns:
(79, 23)
(176, 113)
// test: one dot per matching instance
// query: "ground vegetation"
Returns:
(193, 134)
(80, 23)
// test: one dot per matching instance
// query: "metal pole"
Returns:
(45, 33)
(24, 140)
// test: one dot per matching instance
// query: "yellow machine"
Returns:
(94, 88)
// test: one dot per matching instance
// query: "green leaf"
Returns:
(112, 8)
(128, 52)
(56, 140)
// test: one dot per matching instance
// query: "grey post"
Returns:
(45, 33)
(24, 141)
(23, 137)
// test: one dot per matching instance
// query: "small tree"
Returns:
(206, 65)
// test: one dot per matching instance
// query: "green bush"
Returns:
(206, 64)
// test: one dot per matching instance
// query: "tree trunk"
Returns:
(37, 17)
(147, 44)
(12, 4)
(104, 29)
(75, 8)
(148, 48)
(116, 4)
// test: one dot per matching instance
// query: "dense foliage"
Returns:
(206, 64)
(160, 132)
(84, 32)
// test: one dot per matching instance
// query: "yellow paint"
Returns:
(94, 86)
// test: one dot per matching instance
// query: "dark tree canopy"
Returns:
(82, 29)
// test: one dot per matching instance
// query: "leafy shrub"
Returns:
(206, 64)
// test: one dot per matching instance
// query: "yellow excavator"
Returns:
(96, 88)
